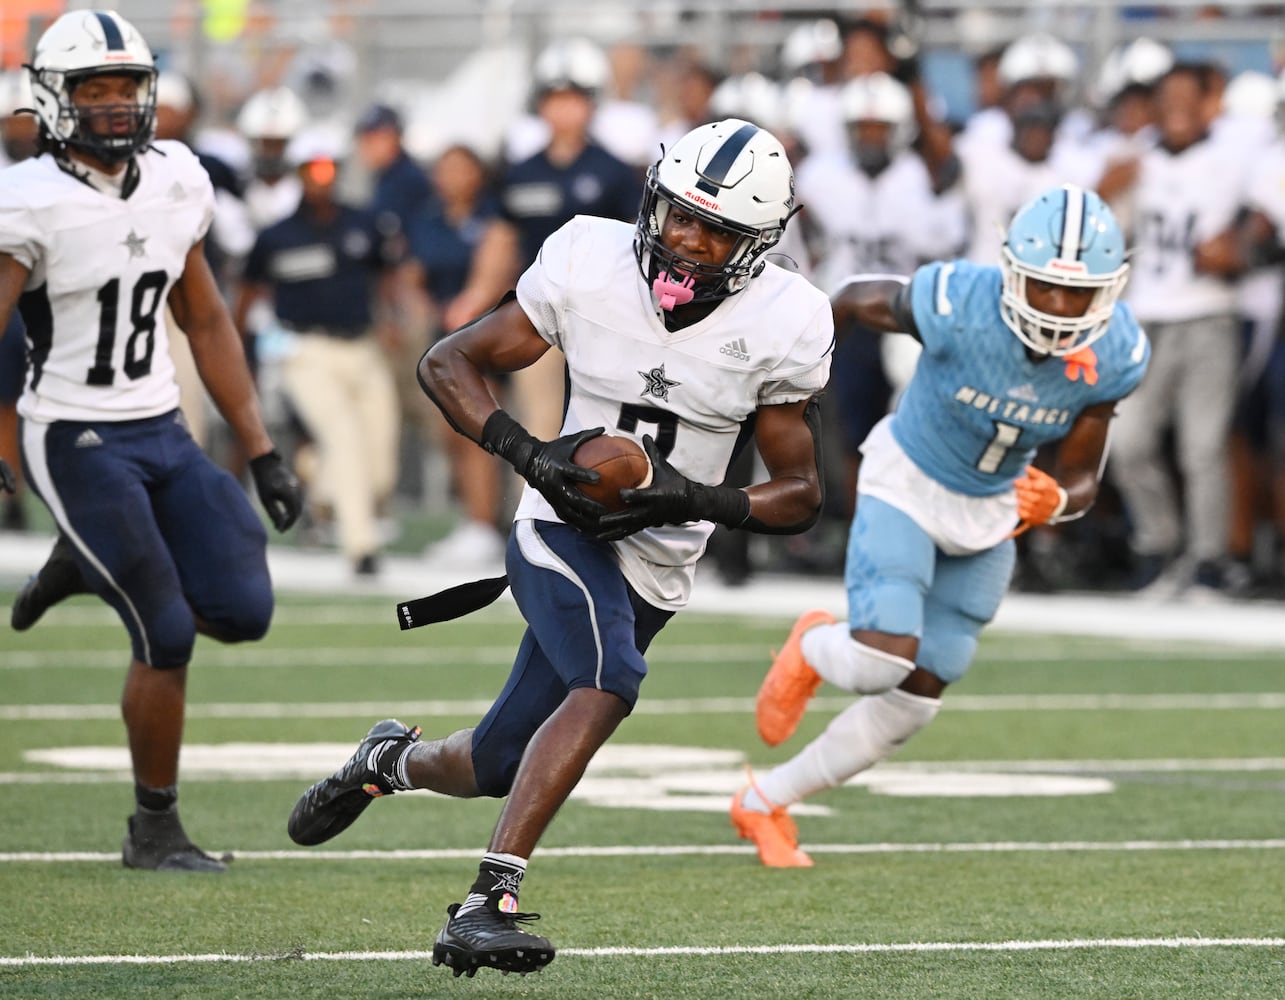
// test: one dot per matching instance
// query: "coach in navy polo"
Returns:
(322, 267)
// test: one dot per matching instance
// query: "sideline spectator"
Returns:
(326, 269)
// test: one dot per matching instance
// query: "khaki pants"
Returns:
(344, 393)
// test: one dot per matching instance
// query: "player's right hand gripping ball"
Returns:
(620, 464)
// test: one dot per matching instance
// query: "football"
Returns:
(620, 463)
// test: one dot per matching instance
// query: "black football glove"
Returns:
(672, 498)
(277, 488)
(547, 466)
(8, 482)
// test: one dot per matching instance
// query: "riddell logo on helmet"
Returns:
(1074, 266)
(700, 199)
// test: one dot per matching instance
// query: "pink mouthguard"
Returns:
(673, 293)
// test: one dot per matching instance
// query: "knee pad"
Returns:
(168, 637)
(846, 663)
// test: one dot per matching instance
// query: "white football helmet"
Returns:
(731, 175)
(1140, 63)
(15, 92)
(86, 43)
(571, 64)
(1038, 57)
(810, 44)
(749, 96)
(276, 113)
(879, 97)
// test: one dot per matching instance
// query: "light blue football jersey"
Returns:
(978, 407)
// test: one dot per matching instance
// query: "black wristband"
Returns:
(721, 504)
(504, 436)
(267, 456)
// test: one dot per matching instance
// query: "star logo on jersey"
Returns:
(656, 384)
(135, 244)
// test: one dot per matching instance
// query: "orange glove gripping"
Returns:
(1039, 498)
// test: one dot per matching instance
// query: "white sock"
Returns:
(861, 735)
(853, 666)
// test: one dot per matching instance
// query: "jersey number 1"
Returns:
(1001, 441)
(145, 301)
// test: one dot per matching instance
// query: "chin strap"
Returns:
(673, 293)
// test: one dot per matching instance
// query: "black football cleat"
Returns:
(57, 579)
(332, 805)
(156, 842)
(486, 938)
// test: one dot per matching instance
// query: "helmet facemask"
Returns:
(731, 176)
(1046, 333)
(90, 130)
(710, 281)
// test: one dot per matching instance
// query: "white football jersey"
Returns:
(887, 224)
(997, 182)
(1181, 200)
(690, 389)
(101, 269)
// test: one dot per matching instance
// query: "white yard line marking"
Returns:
(1270, 700)
(1212, 765)
(362, 657)
(694, 850)
(1074, 944)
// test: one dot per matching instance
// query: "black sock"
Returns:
(499, 879)
(390, 763)
(156, 800)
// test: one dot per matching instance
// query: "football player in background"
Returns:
(1033, 351)
(97, 235)
(677, 333)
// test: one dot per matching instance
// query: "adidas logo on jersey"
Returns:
(88, 438)
(736, 349)
(1026, 393)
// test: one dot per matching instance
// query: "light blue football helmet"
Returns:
(1065, 236)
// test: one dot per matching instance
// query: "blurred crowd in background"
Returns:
(382, 176)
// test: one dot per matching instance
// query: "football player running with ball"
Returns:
(679, 333)
(1032, 351)
(97, 235)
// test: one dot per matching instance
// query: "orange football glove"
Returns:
(1039, 498)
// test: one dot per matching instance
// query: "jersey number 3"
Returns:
(144, 303)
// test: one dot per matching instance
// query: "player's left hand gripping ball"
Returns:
(8, 482)
(1039, 498)
(278, 489)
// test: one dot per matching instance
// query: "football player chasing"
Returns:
(97, 235)
(678, 333)
(1015, 356)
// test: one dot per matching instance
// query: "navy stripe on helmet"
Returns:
(712, 176)
(111, 31)
(1072, 222)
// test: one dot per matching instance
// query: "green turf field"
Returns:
(1085, 818)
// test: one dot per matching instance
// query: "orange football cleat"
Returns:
(774, 833)
(783, 696)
